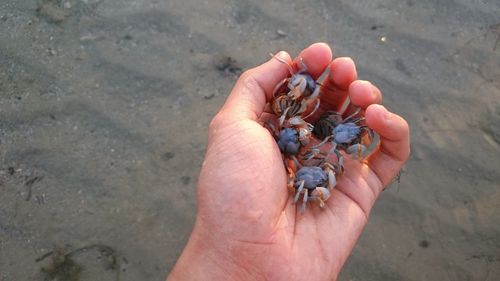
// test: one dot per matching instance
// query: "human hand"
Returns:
(247, 227)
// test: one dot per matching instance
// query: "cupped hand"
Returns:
(247, 227)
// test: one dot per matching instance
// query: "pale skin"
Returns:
(247, 227)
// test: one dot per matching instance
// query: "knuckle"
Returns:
(405, 127)
(379, 98)
(247, 79)
(246, 75)
(408, 153)
(215, 122)
(406, 131)
(220, 121)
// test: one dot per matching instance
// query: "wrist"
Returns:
(202, 260)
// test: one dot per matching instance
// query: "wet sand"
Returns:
(104, 108)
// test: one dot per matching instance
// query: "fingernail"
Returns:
(346, 60)
(385, 113)
(365, 82)
(368, 87)
(280, 55)
(372, 92)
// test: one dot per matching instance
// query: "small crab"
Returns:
(313, 182)
(293, 139)
(345, 134)
(300, 93)
(348, 136)
(291, 135)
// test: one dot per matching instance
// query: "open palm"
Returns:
(247, 226)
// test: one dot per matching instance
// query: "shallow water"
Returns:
(104, 108)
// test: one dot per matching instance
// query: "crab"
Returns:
(291, 135)
(344, 134)
(312, 182)
(294, 140)
(300, 93)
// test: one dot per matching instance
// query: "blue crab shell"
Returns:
(346, 133)
(288, 141)
(312, 177)
(310, 83)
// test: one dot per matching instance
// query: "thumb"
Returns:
(255, 87)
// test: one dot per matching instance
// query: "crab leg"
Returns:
(313, 153)
(304, 201)
(297, 91)
(279, 86)
(356, 150)
(340, 158)
(322, 142)
(296, 162)
(272, 129)
(283, 62)
(314, 95)
(283, 116)
(352, 115)
(299, 190)
(332, 181)
(314, 150)
(321, 203)
(314, 109)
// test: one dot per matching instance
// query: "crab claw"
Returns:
(297, 90)
(304, 136)
(299, 122)
(321, 194)
(332, 181)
